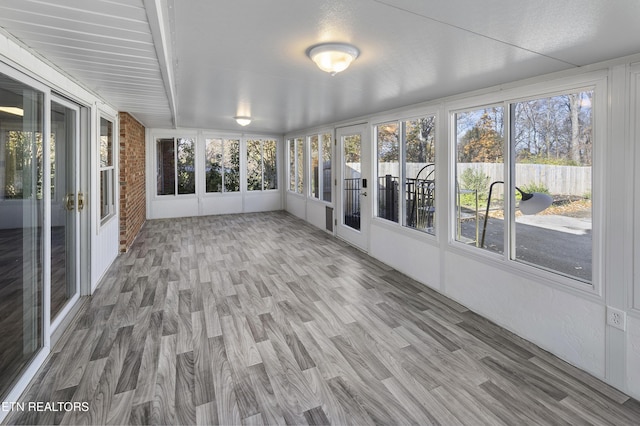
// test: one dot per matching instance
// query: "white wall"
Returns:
(563, 316)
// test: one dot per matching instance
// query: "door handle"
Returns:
(80, 201)
(69, 202)
(364, 194)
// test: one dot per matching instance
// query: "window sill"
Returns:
(529, 272)
(404, 230)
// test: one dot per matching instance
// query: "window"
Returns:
(107, 173)
(479, 162)
(176, 166)
(419, 139)
(296, 168)
(262, 171)
(315, 185)
(406, 172)
(321, 166)
(550, 152)
(388, 154)
(222, 165)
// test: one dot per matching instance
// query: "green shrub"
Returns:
(475, 180)
(535, 187)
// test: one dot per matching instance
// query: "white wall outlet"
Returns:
(616, 318)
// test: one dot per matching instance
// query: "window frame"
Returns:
(321, 189)
(196, 152)
(401, 225)
(300, 184)
(111, 170)
(595, 81)
(223, 137)
(244, 170)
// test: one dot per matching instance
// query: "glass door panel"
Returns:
(21, 228)
(353, 209)
(64, 206)
(352, 172)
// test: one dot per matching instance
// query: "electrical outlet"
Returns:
(616, 318)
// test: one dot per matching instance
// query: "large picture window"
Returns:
(175, 166)
(107, 173)
(406, 172)
(262, 171)
(544, 216)
(222, 165)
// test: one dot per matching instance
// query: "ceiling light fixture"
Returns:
(13, 110)
(242, 120)
(333, 57)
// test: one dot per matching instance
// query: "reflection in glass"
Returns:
(21, 210)
(300, 165)
(388, 155)
(166, 183)
(326, 167)
(107, 170)
(315, 182)
(106, 143)
(292, 164)
(63, 132)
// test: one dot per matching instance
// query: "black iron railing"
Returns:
(419, 196)
(352, 203)
(388, 193)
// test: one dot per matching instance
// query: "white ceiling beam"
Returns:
(158, 17)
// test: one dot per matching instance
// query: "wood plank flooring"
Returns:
(263, 319)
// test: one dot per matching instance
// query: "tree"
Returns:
(186, 166)
(482, 142)
(420, 140)
(388, 143)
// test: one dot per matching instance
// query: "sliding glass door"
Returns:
(21, 227)
(40, 211)
(66, 204)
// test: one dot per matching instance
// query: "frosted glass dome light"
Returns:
(333, 57)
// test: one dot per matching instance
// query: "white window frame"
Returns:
(321, 188)
(111, 184)
(299, 170)
(196, 153)
(241, 163)
(244, 152)
(596, 81)
(401, 225)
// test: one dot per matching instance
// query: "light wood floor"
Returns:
(260, 318)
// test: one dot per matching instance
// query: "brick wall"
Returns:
(133, 206)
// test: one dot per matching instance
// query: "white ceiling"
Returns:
(197, 63)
